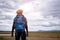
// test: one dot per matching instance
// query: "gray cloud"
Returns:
(6, 8)
(6, 17)
(51, 25)
(53, 9)
(48, 9)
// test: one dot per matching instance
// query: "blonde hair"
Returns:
(19, 11)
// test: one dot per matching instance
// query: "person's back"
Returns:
(20, 24)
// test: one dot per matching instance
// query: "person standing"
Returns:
(20, 24)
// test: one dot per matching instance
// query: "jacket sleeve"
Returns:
(13, 27)
(26, 26)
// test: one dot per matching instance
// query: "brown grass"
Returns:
(38, 36)
(4, 32)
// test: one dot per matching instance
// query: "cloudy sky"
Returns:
(41, 14)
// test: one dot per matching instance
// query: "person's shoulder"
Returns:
(24, 17)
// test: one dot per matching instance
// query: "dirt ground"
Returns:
(37, 36)
(32, 38)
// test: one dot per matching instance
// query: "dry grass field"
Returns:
(35, 36)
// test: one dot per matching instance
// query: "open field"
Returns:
(34, 36)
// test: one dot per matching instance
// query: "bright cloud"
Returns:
(41, 14)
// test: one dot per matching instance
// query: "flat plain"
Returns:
(33, 36)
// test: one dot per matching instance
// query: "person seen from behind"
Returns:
(20, 24)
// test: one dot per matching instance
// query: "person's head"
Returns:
(19, 12)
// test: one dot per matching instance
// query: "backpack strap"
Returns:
(24, 20)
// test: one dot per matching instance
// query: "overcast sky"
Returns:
(41, 14)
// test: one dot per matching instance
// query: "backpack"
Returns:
(19, 23)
